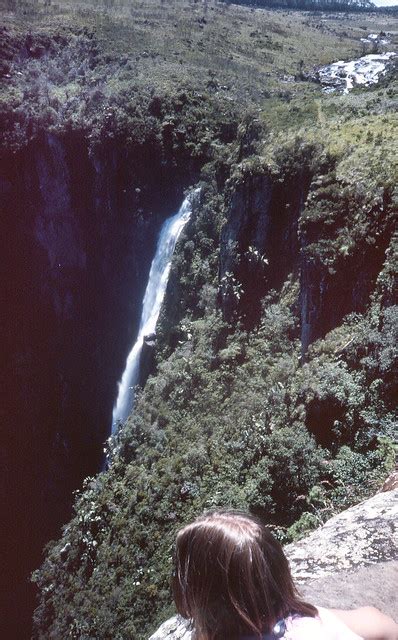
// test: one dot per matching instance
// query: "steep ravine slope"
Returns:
(234, 414)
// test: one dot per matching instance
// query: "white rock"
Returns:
(174, 629)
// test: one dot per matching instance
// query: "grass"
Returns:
(241, 54)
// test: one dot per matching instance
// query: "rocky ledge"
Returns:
(362, 535)
(348, 562)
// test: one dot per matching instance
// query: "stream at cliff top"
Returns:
(153, 298)
(364, 71)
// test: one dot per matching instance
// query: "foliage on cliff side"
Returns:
(235, 417)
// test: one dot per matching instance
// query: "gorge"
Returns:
(271, 382)
(298, 358)
(77, 261)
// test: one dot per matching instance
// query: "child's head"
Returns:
(232, 577)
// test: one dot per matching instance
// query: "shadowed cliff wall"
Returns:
(79, 233)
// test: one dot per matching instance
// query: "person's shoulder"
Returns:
(332, 619)
(325, 625)
(366, 622)
(302, 628)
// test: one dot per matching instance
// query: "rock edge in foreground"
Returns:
(363, 535)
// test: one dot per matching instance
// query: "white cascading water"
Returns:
(153, 298)
(363, 71)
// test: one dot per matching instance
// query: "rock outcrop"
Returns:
(362, 535)
(259, 245)
(350, 561)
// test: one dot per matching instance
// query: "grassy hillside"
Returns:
(85, 66)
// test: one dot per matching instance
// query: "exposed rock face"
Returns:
(147, 358)
(374, 585)
(350, 561)
(364, 534)
(259, 243)
(344, 76)
(265, 239)
(247, 228)
(325, 298)
(339, 281)
(174, 629)
(391, 482)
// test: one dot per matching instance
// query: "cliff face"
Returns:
(232, 416)
(346, 563)
(79, 236)
(290, 226)
(259, 244)
(339, 279)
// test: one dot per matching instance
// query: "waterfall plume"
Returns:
(151, 305)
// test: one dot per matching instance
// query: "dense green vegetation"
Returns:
(234, 418)
(242, 409)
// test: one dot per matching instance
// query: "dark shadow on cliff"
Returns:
(79, 233)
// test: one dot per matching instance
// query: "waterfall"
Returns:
(153, 298)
